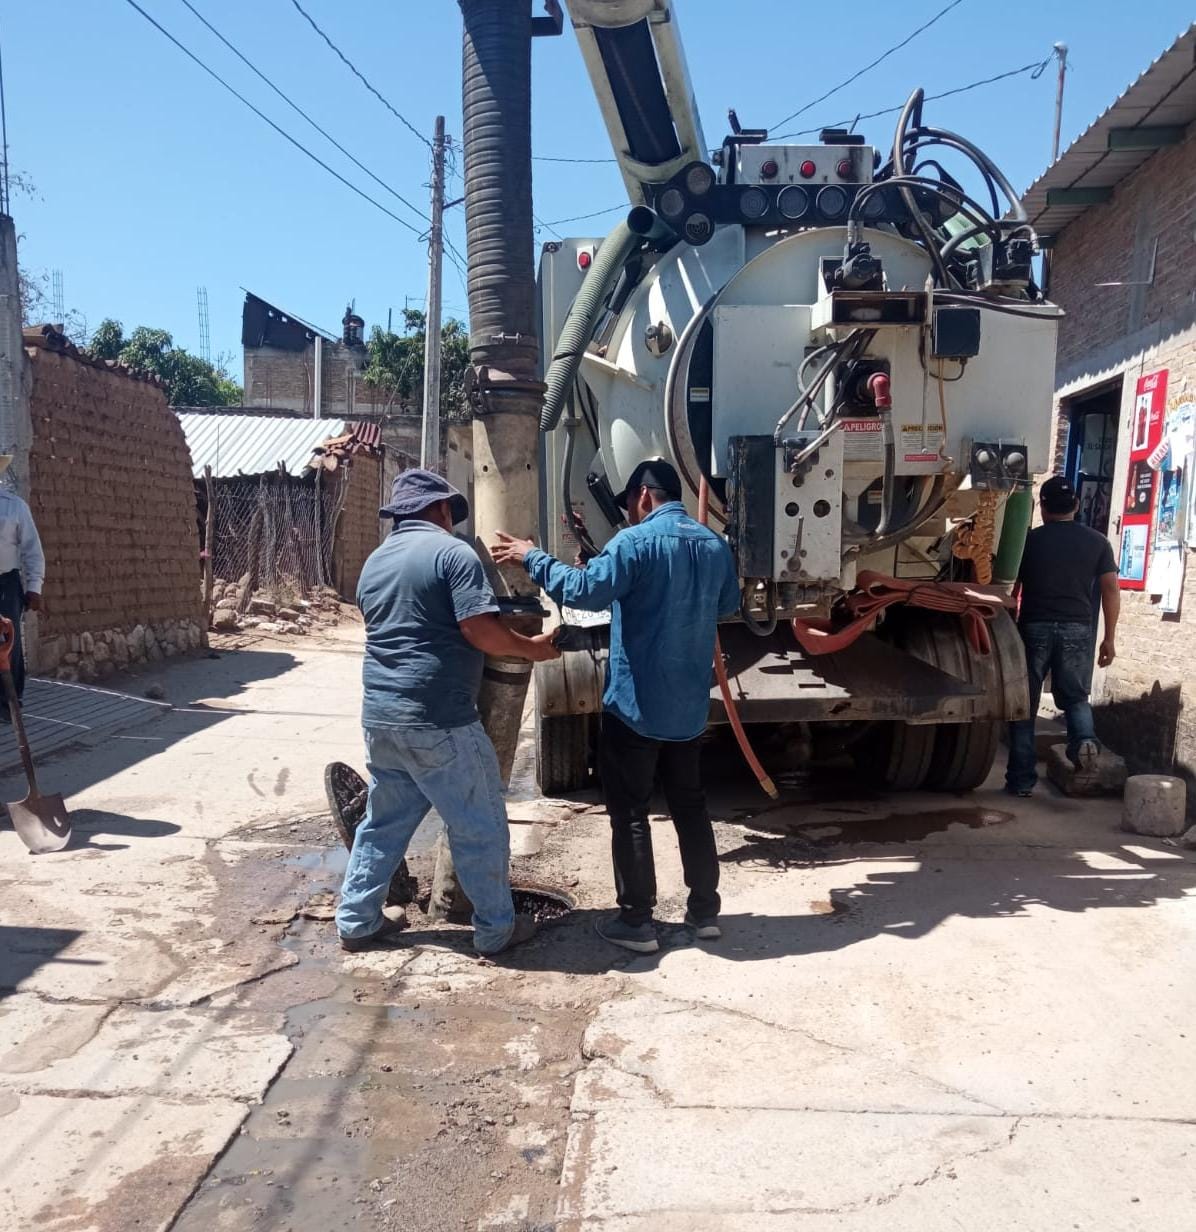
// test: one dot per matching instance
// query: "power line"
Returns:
(546, 225)
(360, 76)
(547, 158)
(556, 222)
(262, 116)
(1035, 70)
(909, 38)
(295, 106)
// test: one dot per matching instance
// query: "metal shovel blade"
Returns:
(42, 822)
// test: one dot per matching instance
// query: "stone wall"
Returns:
(1147, 699)
(359, 530)
(112, 497)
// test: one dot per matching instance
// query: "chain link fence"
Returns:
(273, 535)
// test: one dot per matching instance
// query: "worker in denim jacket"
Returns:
(668, 581)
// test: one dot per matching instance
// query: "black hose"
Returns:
(496, 131)
(982, 160)
(912, 104)
(584, 542)
(769, 627)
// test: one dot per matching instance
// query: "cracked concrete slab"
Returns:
(192, 1054)
(105, 1165)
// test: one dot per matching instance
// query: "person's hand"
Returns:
(543, 648)
(1107, 654)
(507, 550)
(33, 601)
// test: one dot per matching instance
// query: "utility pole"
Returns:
(430, 448)
(1061, 56)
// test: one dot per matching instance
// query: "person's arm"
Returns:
(33, 560)
(476, 610)
(729, 598)
(489, 635)
(607, 577)
(1110, 602)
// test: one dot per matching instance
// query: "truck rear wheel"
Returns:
(562, 752)
(898, 756)
(963, 754)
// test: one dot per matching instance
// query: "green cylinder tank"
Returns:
(1019, 509)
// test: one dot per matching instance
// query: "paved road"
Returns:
(927, 1013)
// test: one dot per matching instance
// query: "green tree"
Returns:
(190, 381)
(396, 364)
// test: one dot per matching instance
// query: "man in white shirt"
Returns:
(22, 570)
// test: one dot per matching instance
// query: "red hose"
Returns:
(724, 685)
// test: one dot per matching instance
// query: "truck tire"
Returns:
(963, 754)
(898, 756)
(562, 753)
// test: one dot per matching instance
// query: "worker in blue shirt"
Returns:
(668, 581)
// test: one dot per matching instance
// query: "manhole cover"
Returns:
(346, 791)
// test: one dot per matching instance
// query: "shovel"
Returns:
(42, 821)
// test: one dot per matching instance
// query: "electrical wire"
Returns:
(262, 116)
(547, 226)
(1035, 70)
(909, 38)
(394, 192)
(398, 115)
(556, 222)
(548, 158)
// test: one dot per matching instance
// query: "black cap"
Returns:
(654, 473)
(1057, 495)
(414, 490)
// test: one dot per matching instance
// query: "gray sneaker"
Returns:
(1086, 756)
(524, 930)
(704, 930)
(638, 937)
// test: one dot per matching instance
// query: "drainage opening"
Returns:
(545, 904)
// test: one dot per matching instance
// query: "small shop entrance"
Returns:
(1092, 449)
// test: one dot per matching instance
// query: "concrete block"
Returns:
(1106, 778)
(1189, 839)
(1155, 804)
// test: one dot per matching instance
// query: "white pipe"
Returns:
(318, 379)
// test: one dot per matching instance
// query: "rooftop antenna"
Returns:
(205, 341)
(58, 304)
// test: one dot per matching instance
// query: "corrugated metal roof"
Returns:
(1164, 96)
(251, 444)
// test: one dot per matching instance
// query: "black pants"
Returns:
(12, 605)
(630, 764)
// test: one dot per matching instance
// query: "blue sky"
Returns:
(151, 180)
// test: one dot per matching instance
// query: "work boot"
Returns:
(704, 930)
(524, 930)
(640, 938)
(381, 938)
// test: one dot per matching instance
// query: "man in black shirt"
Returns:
(1062, 564)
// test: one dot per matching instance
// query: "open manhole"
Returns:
(544, 903)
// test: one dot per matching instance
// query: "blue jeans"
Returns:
(1065, 650)
(455, 771)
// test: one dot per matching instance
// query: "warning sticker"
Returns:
(863, 440)
(920, 443)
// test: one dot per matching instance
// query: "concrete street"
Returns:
(927, 1012)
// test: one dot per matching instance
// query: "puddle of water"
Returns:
(899, 827)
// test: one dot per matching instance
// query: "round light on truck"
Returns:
(793, 202)
(807, 169)
(699, 179)
(672, 203)
(753, 203)
(698, 228)
(832, 201)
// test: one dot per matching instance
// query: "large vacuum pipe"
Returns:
(504, 384)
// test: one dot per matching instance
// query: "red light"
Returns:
(584, 260)
(768, 169)
(807, 169)
(843, 168)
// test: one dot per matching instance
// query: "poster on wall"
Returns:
(1150, 402)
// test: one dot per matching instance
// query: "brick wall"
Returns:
(1147, 700)
(359, 531)
(112, 497)
(286, 379)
